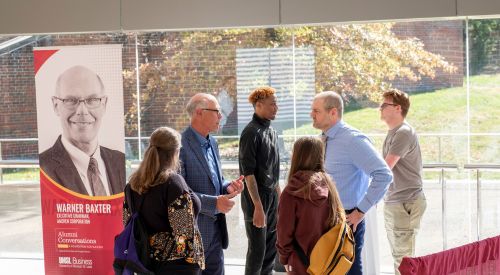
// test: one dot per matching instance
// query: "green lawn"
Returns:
(16, 174)
(443, 112)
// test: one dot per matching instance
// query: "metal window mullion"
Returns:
(478, 202)
(138, 101)
(443, 209)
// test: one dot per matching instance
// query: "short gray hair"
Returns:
(196, 102)
(332, 100)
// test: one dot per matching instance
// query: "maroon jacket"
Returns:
(301, 218)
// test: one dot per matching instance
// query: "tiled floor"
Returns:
(35, 267)
(21, 231)
(20, 266)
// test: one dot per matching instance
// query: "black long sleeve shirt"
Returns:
(259, 153)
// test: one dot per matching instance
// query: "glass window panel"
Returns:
(19, 190)
(21, 218)
(460, 209)
(490, 205)
(484, 102)
(485, 149)
(484, 70)
(235, 220)
(423, 58)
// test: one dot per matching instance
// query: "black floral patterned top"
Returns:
(169, 212)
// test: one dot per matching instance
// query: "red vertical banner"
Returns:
(78, 231)
(79, 95)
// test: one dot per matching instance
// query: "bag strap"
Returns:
(130, 200)
(302, 255)
(342, 234)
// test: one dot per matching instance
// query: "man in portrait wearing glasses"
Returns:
(201, 168)
(76, 160)
(405, 201)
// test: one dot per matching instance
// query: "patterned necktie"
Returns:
(324, 138)
(95, 182)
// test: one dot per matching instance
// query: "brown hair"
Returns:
(161, 159)
(308, 155)
(260, 93)
(399, 98)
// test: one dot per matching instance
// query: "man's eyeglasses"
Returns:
(213, 110)
(91, 103)
(383, 105)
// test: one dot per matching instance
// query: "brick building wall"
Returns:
(17, 102)
(445, 38)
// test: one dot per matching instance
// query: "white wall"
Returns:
(478, 7)
(197, 14)
(52, 16)
(55, 16)
(321, 11)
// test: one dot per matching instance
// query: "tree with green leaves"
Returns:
(483, 37)
(359, 60)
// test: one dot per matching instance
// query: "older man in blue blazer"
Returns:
(201, 168)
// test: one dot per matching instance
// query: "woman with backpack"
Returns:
(308, 207)
(167, 207)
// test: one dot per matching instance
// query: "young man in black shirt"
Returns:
(259, 163)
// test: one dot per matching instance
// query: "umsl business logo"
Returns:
(64, 260)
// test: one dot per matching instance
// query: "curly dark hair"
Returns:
(261, 93)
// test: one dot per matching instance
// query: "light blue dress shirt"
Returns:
(361, 175)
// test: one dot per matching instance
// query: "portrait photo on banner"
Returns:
(79, 95)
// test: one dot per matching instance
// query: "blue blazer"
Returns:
(195, 170)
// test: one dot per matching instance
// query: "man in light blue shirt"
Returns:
(360, 173)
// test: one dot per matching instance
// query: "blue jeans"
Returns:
(359, 237)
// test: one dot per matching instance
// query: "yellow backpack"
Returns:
(332, 254)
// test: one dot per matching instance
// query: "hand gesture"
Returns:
(224, 203)
(354, 218)
(236, 186)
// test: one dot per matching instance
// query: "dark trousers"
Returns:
(262, 241)
(359, 237)
(214, 257)
(180, 267)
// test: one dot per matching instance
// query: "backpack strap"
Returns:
(342, 235)
(302, 255)
(130, 200)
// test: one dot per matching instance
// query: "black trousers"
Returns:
(180, 267)
(262, 250)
